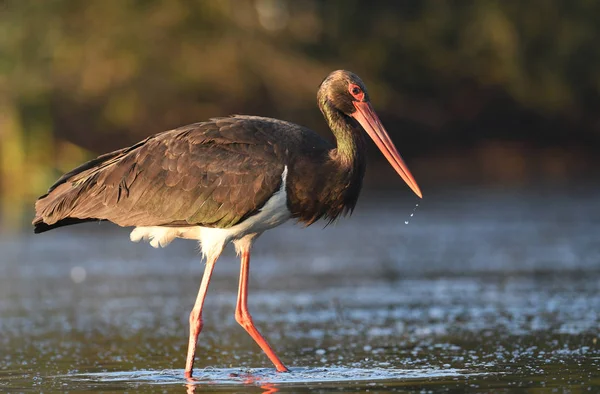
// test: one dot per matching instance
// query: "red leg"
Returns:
(243, 317)
(196, 317)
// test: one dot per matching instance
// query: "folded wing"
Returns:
(212, 174)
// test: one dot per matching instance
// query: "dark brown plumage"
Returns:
(214, 174)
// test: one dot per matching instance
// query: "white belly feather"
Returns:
(213, 240)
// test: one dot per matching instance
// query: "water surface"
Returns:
(481, 291)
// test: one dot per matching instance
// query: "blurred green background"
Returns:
(499, 94)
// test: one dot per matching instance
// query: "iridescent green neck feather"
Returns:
(350, 142)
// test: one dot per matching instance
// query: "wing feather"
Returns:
(215, 173)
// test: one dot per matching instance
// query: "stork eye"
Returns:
(356, 92)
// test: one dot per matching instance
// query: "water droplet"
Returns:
(412, 213)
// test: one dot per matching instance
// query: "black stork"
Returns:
(228, 180)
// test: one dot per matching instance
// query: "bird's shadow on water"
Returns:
(264, 378)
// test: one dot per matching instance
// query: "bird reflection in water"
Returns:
(249, 380)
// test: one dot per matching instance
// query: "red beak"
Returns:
(366, 116)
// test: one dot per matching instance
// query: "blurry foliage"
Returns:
(83, 76)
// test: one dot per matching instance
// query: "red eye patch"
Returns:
(356, 92)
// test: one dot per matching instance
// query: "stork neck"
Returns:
(347, 163)
(350, 142)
